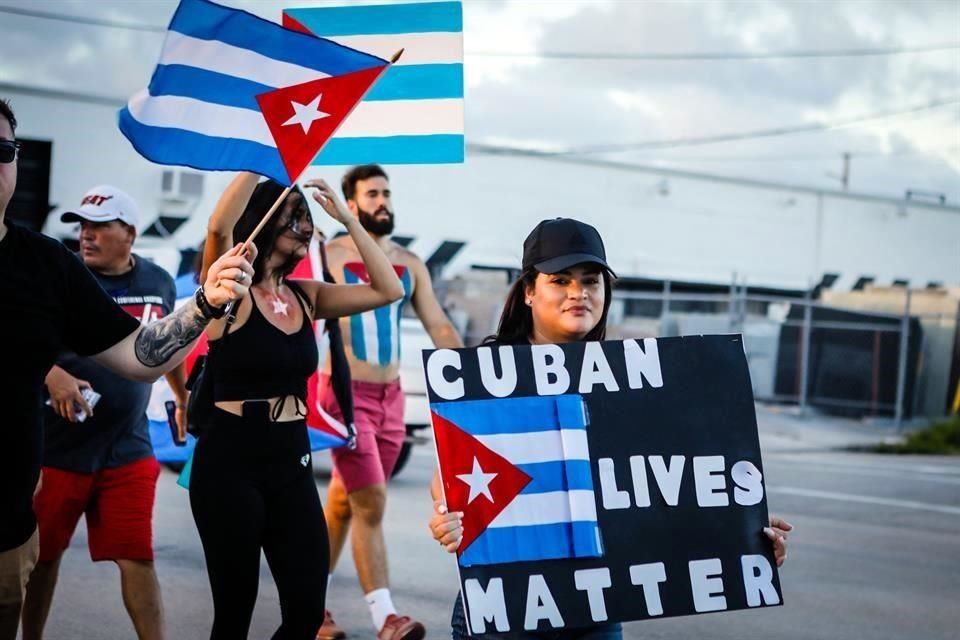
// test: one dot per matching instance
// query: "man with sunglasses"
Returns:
(49, 302)
(104, 468)
(9, 151)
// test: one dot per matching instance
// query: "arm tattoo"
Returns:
(160, 340)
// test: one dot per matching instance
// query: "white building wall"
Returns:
(657, 224)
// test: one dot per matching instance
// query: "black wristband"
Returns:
(209, 311)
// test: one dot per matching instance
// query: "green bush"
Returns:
(940, 438)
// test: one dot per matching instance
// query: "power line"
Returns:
(748, 135)
(508, 150)
(801, 157)
(562, 55)
(717, 55)
(671, 172)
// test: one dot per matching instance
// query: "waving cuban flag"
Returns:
(519, 470)
(233, 91)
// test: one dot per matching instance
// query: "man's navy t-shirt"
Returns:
(49, 303)
(118, 432)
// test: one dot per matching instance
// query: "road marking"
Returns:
(851, 497)
(886, 463)
(895, 473)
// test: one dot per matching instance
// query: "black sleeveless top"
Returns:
(258, 360)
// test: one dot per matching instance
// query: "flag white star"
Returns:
(305, 114)
(479, 482)
(279, 306)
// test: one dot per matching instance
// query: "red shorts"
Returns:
(378, 410)
(119, 507)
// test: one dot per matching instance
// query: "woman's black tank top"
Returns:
(259, 361)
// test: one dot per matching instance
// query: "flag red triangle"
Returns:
(461, 454)
(294, 25)
(360, 270)
(303, 117)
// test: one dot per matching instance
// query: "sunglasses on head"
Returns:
(8, 151)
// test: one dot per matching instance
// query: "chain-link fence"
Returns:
(801, 351)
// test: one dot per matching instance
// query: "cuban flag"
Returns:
(234, 92)
(414, 114)
(519, 470)
(375, 334)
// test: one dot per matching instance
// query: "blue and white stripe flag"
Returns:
(554, 515)
(200, 108)
(416, 108)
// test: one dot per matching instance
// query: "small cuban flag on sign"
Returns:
(414, 114)
(519, 470)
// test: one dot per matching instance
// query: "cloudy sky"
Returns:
(522, 93)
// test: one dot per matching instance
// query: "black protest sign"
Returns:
(602, 481)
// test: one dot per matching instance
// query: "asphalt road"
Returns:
(875, 555)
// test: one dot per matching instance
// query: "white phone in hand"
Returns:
(91, 396)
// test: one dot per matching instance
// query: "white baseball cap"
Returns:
(103, 204)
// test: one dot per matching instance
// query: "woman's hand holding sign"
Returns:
(777, 532)
(447, 527)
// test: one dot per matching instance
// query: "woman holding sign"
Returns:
(563, 295)
(251, 485)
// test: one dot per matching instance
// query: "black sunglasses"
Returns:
(297, 218)
(8, 150)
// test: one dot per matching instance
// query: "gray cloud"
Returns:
(569, 103)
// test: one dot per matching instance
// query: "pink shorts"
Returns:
(119, 507)
(378, 410)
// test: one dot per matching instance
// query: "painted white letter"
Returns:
(486, 606)
(749, 481)
(709, 481)
(668, 477)
(649, 577)
(503, 386)
(436, 363)
(540, 604)
(613, 498)
(542, 369)
(594, 581)
(707, 585)
(642, 363)
(758, 581)
(596, 369)
(638, 471)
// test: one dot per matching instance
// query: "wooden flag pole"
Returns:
(286, 192)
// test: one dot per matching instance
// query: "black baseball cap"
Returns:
(558, 244)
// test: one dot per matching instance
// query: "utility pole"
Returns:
(844, 176)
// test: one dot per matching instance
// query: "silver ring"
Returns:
(242, 277)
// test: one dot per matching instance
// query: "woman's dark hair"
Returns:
(264, 195)
(516, 321)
